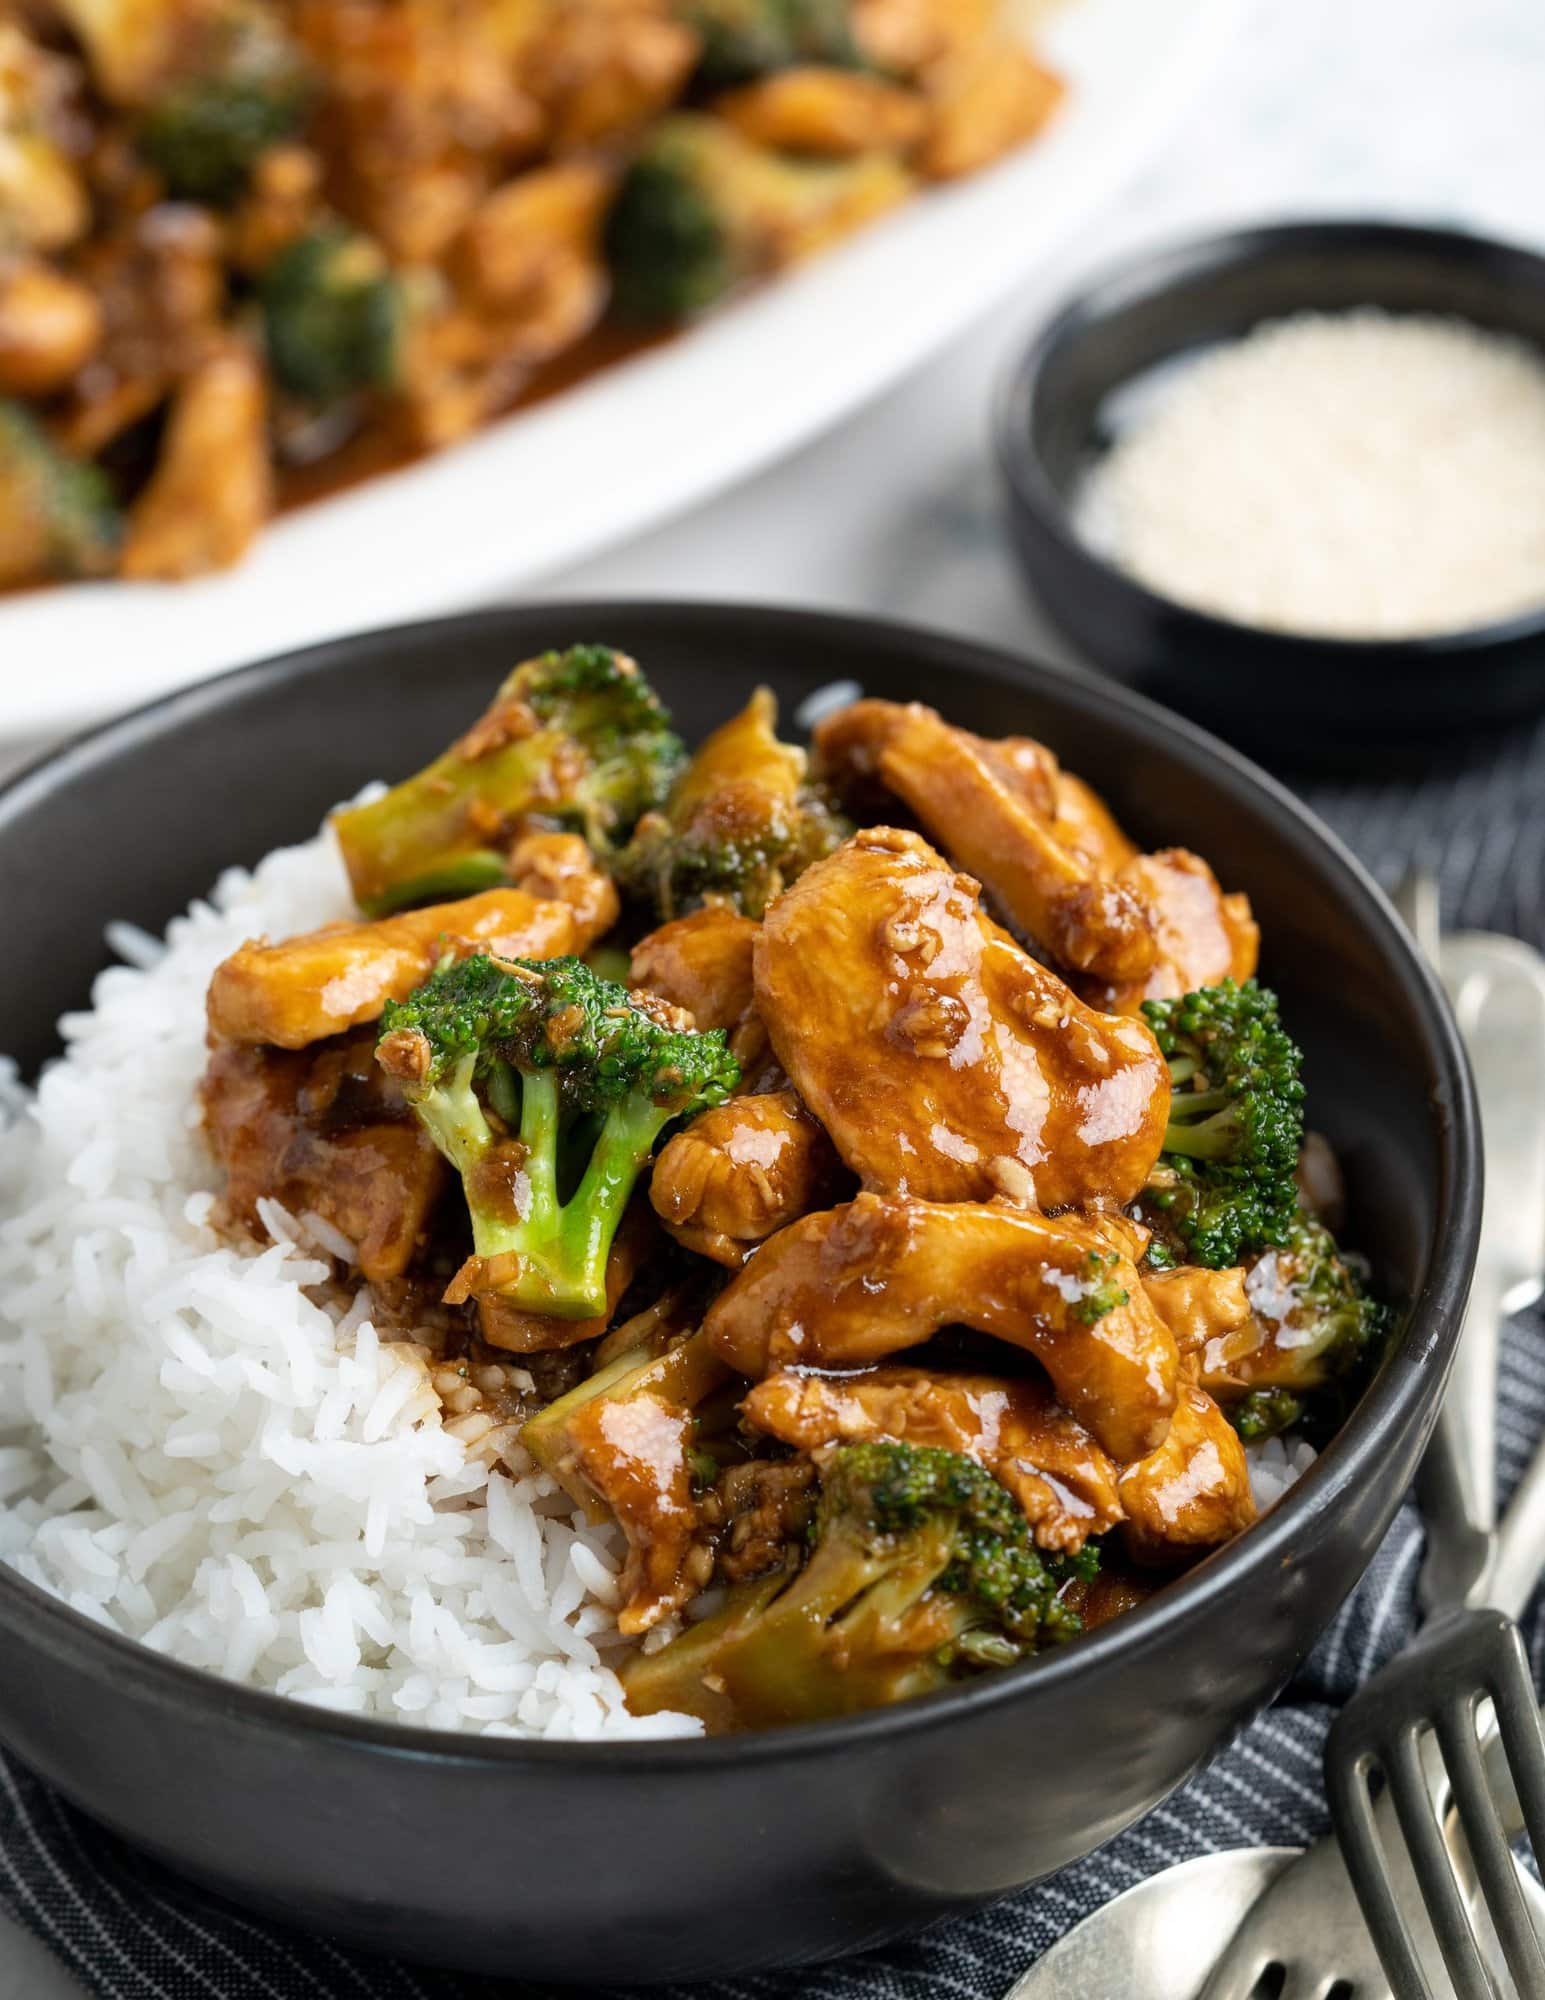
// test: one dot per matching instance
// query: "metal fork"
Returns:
(1305, 1923)
(1429, 1699)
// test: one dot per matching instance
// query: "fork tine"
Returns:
(1518, 1724)
(1352, 1808)
(1434, 1867)
(1489, 1850)
(1312, 1985)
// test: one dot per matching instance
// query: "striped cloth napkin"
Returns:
(127, 1930)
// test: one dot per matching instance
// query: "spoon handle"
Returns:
(1521, 1542)
(1458, 1480)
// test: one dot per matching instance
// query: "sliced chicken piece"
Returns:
(620, 1441)
(741, 1172)
(1197, 1305)
(1086, 826)
(633, 1453)
(602, 72)
(1201, 935)
(50, 323)
(212, 488)
(826, 113)
(1130, 926)
(965, 798)
(1193, 1493)
(739, 823)
(701, 962)
(331, 980)
(325, 1130)
(1016, 1428)
(881, 1274)
(986, 101)
(943, 1060)
(560, 868)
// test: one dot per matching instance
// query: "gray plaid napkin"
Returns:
(130, 1931)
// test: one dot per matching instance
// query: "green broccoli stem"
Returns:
(540, 1108)
(1203, 1126)
(454, 1118)
(563, 1246)
(415, 843)
(591, 1215)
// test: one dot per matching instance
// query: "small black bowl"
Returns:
(1329, 700)
(605, 1863)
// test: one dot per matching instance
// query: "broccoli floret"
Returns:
(546, 1088)
(1224, 1182)
(1266, 1413)
(740, 824)
(745, 39)
(1103, 1294)
(202, 137)
(1325, 1324)
(57, 514)
(240, 89)
(333, 314)
(578, 737)
(703, 210)
(44, 204)
(921, 1569)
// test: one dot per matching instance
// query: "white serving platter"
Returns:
(648, 437)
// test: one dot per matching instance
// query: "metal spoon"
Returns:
(1161, 1940)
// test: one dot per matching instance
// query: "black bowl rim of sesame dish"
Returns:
(1185, 273)
(1398, 1401)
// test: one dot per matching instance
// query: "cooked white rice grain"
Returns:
(1275, 1465)
(201, 1447)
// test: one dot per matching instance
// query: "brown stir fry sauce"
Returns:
(858, 1259)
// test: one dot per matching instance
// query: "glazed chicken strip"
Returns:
(324, 1130)
(623, 1439)
(1061, 1478)
(1193, 1493)
(1133, 926)
(634, 1454)
(702, 963)
(943, 1060)
(559, 868)
(740, 1172)
(330, 980)
(881, 1274)
(1198, 1305)
(949, 779)
(1202, 936)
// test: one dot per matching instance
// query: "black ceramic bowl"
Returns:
(1329, 699)
(685, 1858)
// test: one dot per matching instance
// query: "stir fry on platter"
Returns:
(253, 249)
(866, 1178)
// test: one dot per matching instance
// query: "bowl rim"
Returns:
(1427, 1339)
(1146, 274)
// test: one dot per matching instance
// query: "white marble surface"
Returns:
(1424, 109)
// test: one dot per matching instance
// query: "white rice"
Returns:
(203, 1450)
(1275, 1465)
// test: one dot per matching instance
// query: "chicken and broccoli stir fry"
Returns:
(901, 1257)
(250, 249)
